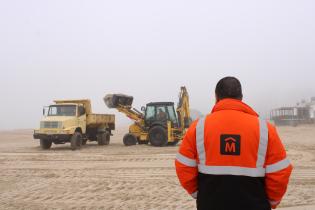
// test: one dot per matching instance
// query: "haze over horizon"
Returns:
(86, 49)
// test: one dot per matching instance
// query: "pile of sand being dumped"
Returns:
(119, 177)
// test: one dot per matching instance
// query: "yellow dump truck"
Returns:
(73, 121)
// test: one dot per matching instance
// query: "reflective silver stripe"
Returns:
(278, 166)
(231, 170)
(185, 160)
(263, 143)
(200, 141)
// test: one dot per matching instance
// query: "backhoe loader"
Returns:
(158, 123)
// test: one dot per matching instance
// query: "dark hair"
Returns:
(229, 87)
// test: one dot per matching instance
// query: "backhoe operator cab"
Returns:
(159, 113)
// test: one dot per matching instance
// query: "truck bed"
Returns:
(95, 120)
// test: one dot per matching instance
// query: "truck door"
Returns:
(82, 118)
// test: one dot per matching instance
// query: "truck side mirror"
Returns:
(45, 110)
(143, 108)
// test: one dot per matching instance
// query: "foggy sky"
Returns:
(85, 49)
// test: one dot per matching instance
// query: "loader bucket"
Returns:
(114, 100)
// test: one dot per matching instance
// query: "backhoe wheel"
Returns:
(174, 143)
(158, 136)
(76, 141)
(45, 144)
(130, 139)
(103, 138)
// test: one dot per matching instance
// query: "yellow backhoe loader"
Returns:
(158, 123)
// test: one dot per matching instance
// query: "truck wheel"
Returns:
(103, 138)
(130, 139)
(45, 144)
(76, 141)
(158, 136)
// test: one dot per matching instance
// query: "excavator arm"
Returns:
(183, 111)
(130, 113)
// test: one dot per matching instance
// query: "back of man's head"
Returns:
(229, 87)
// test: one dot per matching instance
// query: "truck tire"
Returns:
(130, 139)
(103, 138)
(158, 136)
(76, 141)
(45, 144)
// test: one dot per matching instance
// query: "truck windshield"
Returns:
(62, 110)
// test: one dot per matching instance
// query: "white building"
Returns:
(312, 108)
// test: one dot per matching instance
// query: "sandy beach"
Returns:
(120, 177)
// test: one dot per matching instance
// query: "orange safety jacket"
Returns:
(233, 153)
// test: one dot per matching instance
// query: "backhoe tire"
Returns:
(158, 136)
(103, 138)
(130, 139)
(76, 141)
(45, 144)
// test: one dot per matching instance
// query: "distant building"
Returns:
(302, 113)
(312, 108)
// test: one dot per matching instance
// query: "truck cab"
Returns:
(61, 121)
(65, 113)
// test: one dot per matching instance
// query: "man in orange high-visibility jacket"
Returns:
(232, 159)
